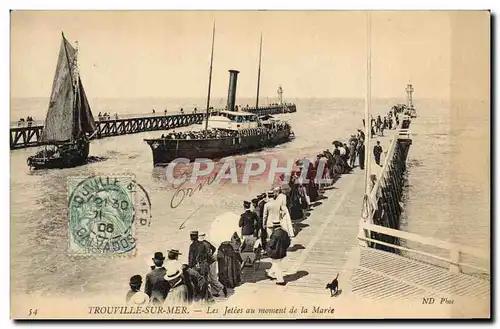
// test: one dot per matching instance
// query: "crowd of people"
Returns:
(215, 133)
(106, 116)
(29, 122)
(378, 125)
(266, 226)
(201, 134)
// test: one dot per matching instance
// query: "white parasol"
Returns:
(223, 228)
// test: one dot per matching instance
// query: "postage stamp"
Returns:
(101, 215)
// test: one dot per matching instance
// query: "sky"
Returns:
(167, 53)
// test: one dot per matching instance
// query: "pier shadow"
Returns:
(94, 159)
(296, 247)
(316, 203)
(300, 220)
(327, 188)
(298, 227)
(295, 276)
(247, 275)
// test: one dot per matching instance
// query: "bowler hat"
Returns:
(136, 279)
(193, 233)
(159, 256)
(255, 200)
(246, 204)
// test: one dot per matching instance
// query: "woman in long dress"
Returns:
(229, 262)
(285, 219)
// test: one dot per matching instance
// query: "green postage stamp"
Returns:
(101, 215)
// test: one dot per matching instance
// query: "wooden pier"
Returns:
(29, 136)
(331, 240)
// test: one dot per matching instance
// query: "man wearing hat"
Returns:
(173, 257)
(249, 222)
(198, 255)
(135, 296)
(276, 250)
(271, 212)
(361, 154)
(156, 287)
(377, 151)
(261, 202)
(216, 288)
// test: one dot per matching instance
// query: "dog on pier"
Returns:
(333, 286)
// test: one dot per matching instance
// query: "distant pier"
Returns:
(29, 136)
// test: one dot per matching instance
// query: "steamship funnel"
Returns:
(231, 92)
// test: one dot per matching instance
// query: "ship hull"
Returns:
(167, 150)
(70, 156)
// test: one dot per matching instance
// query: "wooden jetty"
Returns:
(29, 136)
(332, 240)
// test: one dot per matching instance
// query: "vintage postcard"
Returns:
(250, 164)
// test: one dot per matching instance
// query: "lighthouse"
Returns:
(409, 92)
(280, 95)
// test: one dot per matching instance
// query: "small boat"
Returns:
(69, 117)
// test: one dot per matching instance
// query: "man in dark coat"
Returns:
(361, 155)
(260, 212)
(276, 250)
(377, 151)
(249, 221)
(156, 286)
(216, 288)
(198, 255)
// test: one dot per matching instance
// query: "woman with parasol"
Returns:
(224, 236)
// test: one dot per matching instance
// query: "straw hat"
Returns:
(173, 271)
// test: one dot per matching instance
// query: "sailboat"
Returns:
(69, 117)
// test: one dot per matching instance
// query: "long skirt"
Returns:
(229, 262)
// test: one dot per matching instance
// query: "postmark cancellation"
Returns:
(101, 216)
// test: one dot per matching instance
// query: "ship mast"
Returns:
(368, 122)
(366, 211)
(258, 74)
(210, 78)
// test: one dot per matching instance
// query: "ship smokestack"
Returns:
(231, 92)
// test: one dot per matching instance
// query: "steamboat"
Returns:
(227, 132)
(69, 117)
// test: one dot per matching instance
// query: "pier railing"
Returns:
(387, 191)
(455, 251)
(29, 135)
(381, 229)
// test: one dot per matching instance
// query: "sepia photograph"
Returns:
(250, 164)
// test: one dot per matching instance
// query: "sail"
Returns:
(83, 118)
(69, 115)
